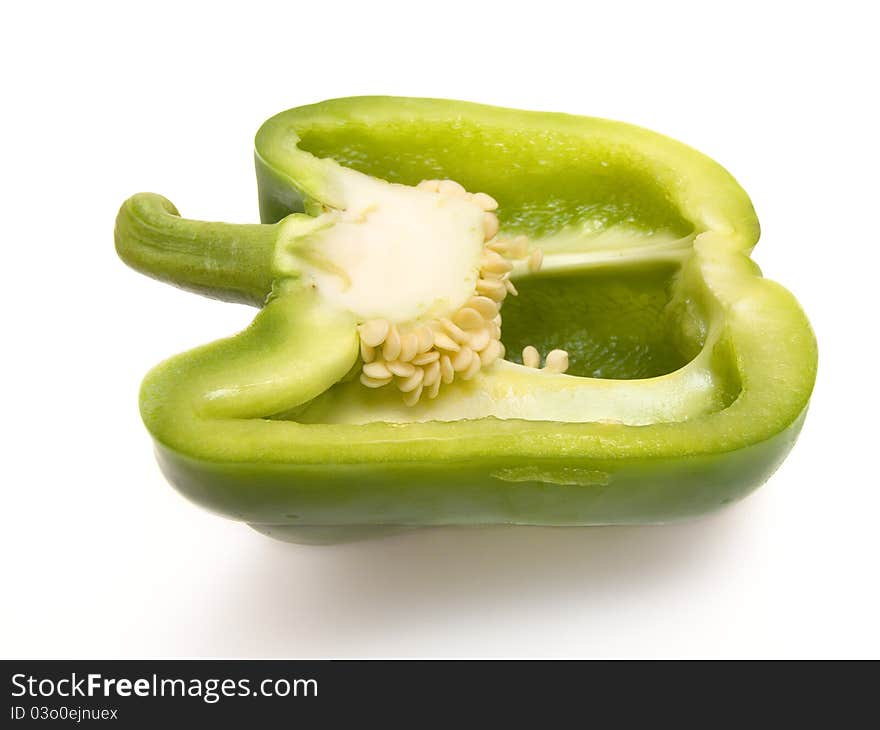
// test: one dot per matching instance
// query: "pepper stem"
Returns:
(226, 261)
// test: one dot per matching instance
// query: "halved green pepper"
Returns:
(689, 374)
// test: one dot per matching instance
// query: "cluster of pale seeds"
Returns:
(421, 357)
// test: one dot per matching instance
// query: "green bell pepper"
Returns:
(688, 374)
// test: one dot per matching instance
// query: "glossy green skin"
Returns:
(212, 411)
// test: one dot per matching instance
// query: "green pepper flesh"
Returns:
(652, 292)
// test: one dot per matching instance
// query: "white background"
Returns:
(101, 558)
